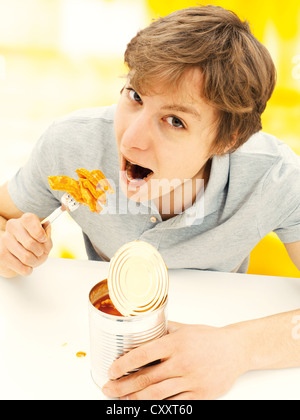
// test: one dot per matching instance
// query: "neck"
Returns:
(184, 196)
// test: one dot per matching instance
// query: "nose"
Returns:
(138, 134)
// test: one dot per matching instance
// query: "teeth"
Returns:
(130, 179)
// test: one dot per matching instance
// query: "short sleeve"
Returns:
(29, 188)
(280, 200)
(289, 230)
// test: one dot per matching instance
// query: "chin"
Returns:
(139, 195)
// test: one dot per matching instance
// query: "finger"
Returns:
(22, 254)
(21, 235)
(173, 326)
(49, 244)
(139, 357)
(184, 396)
(49, 231)
(160, 391)
(139, 380)
(32, 224)
(16, 266)
(46, 226)
(41, 248)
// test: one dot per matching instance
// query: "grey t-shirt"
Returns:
(250, 193)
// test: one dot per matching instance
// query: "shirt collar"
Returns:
(217, 183)
(208, 200)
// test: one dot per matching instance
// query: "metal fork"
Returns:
(68, 204)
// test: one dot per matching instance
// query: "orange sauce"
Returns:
(105, 305)
(81, 354)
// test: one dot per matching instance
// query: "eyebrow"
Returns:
(182, 108)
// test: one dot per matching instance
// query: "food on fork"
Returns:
(89, 190)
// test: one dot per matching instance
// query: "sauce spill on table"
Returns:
(81, 354)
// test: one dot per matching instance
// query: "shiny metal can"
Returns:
(112, 336)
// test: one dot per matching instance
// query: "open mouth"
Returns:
(136, 173)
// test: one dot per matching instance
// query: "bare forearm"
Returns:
(272, 342)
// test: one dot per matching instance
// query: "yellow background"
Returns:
(60, 55)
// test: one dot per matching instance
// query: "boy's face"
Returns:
(166, 136)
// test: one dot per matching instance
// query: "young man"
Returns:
(190, 111)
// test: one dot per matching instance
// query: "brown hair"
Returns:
(239, 74)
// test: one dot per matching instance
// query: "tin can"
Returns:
(112, 336)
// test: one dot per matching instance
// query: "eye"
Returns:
(175, 122)
(134, 96)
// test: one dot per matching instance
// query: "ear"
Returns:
(232, 143)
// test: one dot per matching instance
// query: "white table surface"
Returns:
(44, 323)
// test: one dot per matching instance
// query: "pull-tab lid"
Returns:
(138, 279)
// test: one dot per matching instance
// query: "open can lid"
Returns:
(138, 279)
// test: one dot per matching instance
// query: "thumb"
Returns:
(48, 230)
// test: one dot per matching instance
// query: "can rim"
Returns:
(127, 318)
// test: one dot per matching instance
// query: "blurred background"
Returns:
(57, 56)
